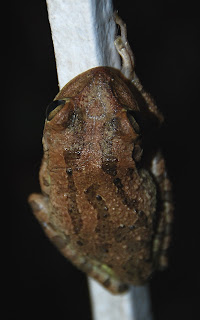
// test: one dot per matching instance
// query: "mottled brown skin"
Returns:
(105, 201)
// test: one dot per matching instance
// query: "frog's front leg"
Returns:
(124, 50)
(128, 66)
(165, 211)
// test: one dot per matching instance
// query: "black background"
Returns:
(164, 36)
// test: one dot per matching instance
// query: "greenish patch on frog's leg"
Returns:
(105, 276)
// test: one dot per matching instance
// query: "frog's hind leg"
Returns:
(164, 219)
(40, 207)
(102, 273)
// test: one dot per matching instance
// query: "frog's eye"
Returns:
(133, 122)
(53, 108)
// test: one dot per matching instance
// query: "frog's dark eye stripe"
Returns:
(133, 122)
(51, 108)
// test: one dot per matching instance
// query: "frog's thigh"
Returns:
(165, 216)
(39, 205)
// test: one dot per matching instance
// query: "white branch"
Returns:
(83, 33)
(132, 305)
(83, 36)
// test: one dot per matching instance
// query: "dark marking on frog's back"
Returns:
(121, 233)
(72, 205)
(97, 202)
(75, 120)
(70, 122)
(70, 156)
(109, 166)
(112, 125)
(103, 227)
(73, 152)
(109, 161)
(131, 203)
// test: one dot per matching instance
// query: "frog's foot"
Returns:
(104, 275)
(162, 237)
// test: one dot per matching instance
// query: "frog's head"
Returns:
(98, 116)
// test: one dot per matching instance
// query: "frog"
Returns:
(106, 197)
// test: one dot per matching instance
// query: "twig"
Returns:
(133, 305)
(83, 36)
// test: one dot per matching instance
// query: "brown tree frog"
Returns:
(106, 197)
